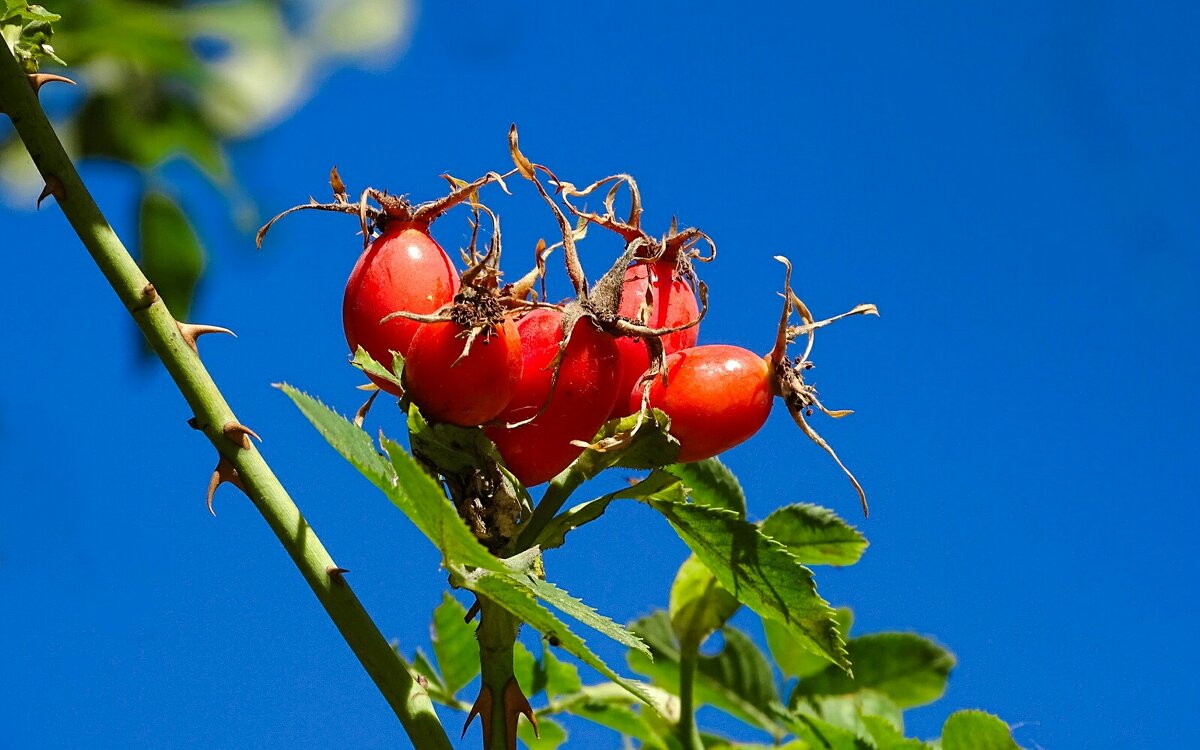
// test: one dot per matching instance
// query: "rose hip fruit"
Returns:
(463, 390)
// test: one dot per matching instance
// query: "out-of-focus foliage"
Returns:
(161, 79)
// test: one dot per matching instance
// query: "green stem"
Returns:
(689, 733)
(497, 635)
(391, 675)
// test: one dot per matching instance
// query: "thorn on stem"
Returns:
(194, 423)
(37, 80)
(225, 472)
(239, 434)
(193, 331)
(482, 707)
(336, 574)
(53, 187)
(516, 703)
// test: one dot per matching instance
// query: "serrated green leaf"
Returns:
(818, 733)
(699, 606)
(711, 483)
(550, 734)
(170, 252)
(454, 644)
(572, 607)
(760, 572)
(815, 535)
(609, 706)
(737, 680)
(368, 365)
(793, 659)
(976, 730)
(351, 442)
(422, 500)
(520, 602)
(658, 485)
(849, 711)
(422, 666)
(907, 668)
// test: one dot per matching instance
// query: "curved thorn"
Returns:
(37, 80)
(239, 434)
(336, 575)
(482, 707)
(53, 187)
(193, 331)
(225, 472)
(515, 706)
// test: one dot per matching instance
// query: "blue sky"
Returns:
(1013, 184)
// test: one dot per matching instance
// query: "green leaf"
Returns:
(422, 500)
(408, 487)
(572, 607)
(550, 734)
(815, 535)
(711, 483)
(793, 659)
(976, 730)
(907, 668)
(658, 485)
(454, 644)
(351, 442)
(698, 604)
(849, 711)
(562, 678)
(170, 252)
(608, 705)
(437, 689)
(888, 737)
(368, 365)
(818, 733)
(737, 680)
(527, 671)
(519, 601)
(760, 572)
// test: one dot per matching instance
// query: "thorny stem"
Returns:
(391, 675)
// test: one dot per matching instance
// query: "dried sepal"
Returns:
(799, 396)
(360, 416)
(224, 473)
(192, 331)
(338, 187)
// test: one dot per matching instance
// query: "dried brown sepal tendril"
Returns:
(600, 303)
(389, 208)
(800, 396)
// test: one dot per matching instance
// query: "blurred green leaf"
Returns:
(711, 483)
(815, 535)
(562, 678)
(737, 680)
(170, 252)
(976, 730)
(527, 671)
(454, 644)
(792, 658)
(698, 605)
(850, 711)
(909, 669)
(550, 734)
(888, 737)
(760, 572)
(608, 705)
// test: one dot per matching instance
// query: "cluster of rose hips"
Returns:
(541, 379)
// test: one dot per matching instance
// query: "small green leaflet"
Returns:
(711, 483)
(792, 659)
(572, 607)
(976, 730)
(908, 669)
(760, 572)
(699, 606)
(368, 365)
(815, 535)
(170, 253)
(454, 644)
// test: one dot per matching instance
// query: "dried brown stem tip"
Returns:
(239, 434)
(225, 472)
(193, 331)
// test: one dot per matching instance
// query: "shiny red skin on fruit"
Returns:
(717, 396)
(403, 269)
(674, 305)
(467, 391)
(584, 395)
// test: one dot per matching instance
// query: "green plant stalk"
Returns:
(689, 733)
(497, 635)
(391, 675)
